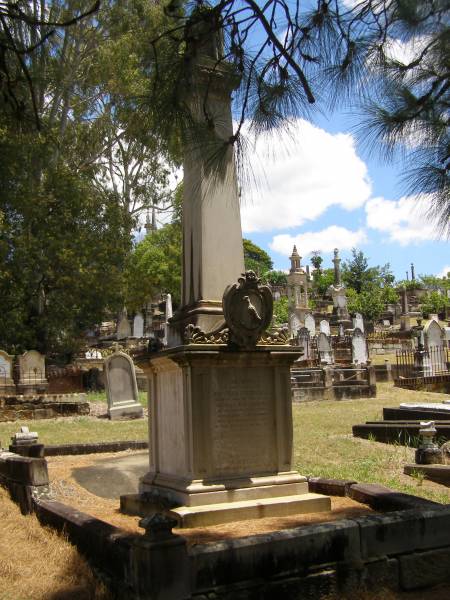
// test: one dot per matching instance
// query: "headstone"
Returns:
(294, 324)
(324, 348)
(138, 326)
(359, 348)
(121, 387)
(32, 373)
(310, 325)
(325, 327)
(303, 338)
(123, 328)
(341, 330)
(93, 354)
(358, 322)
(168, 315)
(433, 335)
(386, 323)
(434, 317)
(6, 370)
(447, 336)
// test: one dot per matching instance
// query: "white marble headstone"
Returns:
(359, 347)
(324, 348)
(138, 326)
(358, 322)
(310, 325)
(294, 324)
(433, 334)
(325, 327)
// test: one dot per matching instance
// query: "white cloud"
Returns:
(444, 272)
(405, 221)
(310, 171)
(324, 241)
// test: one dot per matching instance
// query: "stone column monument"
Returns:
(337, 292)
(220, 423)
(297, 280)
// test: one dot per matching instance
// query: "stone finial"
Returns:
(413, 276)
(295, 259)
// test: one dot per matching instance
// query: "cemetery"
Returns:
(178, 419)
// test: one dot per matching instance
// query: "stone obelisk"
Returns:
(213, 253)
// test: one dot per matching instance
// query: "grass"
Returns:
(36, 562)
(324, 446)
(101, 397)
(323, 441)
(72, 430)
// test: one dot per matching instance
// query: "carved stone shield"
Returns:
(247, 308)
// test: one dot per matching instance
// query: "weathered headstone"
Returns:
(324, 348)
(433, 335)
(123, 328)
(32, 373)
(6, 380)
(304, 341)
(325, 327)
(138, 326)
(310, 325)
(121, 387)
(294, 324)
(359, 347)
(358, 322)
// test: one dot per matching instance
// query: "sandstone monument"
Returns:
(220, 395)
(297, 283)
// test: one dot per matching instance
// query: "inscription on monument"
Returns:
(243, 432)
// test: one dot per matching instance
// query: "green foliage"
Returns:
(280, 311)
(276, 278)
(369, 303)
(155, 266)
(316, 260)
(322, 280)
(256, 259)
(357, 274)
(410, 284)
(62, 247)
(433, 302)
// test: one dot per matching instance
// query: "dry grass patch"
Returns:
(38, 563)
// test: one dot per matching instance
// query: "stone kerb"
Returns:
(121, 387)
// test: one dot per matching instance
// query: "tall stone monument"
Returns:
(220, 401)
(338, 294)
(211, 216)
(297, 281)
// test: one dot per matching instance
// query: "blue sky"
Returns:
(321, 190)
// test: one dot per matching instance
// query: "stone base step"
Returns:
(215, 514)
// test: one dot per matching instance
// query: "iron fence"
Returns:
(431, 362)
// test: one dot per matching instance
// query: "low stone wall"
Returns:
(342, 392)
(406, 549)
(42, 406)
(435, 383)
(25, 478)
(94, 447)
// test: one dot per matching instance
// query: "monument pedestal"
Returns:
(221, 435)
